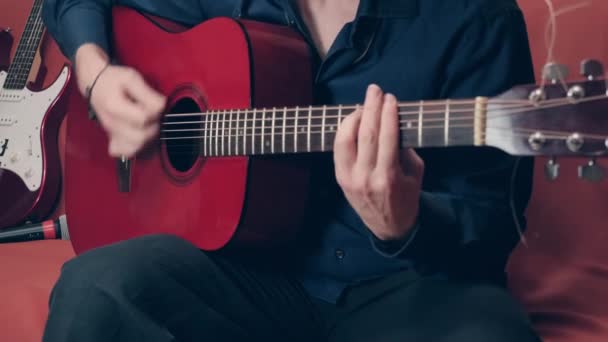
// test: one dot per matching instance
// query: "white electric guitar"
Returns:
(30, 170)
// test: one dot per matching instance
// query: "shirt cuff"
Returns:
(394, 248)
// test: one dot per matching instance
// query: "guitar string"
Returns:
(516, 132)
(21, 60)
(267, 131)
(455, 140)
(499, 113)
(305, 115)
(215, 124)
(415, 106)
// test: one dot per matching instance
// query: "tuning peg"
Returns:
(592, 172)
(552, 169)
(592, 69)
(555, 72)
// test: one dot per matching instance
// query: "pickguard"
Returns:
(22, 114)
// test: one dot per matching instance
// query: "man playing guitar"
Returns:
(404, 245)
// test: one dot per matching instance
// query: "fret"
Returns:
(295, 131)
(461, 124)
(263, 129)
(332, 121)
(290, 124)
(323, 129)
(253, 133)
(339, 116)
(446, 129)
(205, 142)
(223, 131)
(239, 132)
(245, 132)
(230, 133)
(274, 116)
(216, 118)
(284, 124)
(309, 124)
(210, 134)
(420, 123)
(433, 121)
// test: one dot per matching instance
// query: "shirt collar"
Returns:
(388, 8)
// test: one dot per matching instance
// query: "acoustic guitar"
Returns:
(214, 177)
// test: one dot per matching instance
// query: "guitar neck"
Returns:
(313, 129)
(25, 54)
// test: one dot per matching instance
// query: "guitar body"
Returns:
(220, 64)
(30, 170)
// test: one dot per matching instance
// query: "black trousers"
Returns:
(160, 288)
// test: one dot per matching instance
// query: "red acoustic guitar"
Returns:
(210, 178)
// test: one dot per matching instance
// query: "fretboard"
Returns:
(313, 129)
(21, 66)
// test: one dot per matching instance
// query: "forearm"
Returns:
(74, 23)
(89, 60)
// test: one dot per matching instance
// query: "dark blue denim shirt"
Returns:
(417, 50)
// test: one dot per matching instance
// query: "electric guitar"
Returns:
(30, 170)
(210, 180)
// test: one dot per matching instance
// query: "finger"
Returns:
(152, 101)
(120, 148)
(130, 143)
(368, 130)
(122, 131)
(388, 139)
(126, 111)
(411, 163)
(345, 145)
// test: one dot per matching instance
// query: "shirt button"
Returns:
(339, 254)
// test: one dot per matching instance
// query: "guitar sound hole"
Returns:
(182, 134)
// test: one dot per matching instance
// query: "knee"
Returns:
(124, 265)
(495, 330)
(490, 314)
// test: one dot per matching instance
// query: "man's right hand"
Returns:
(126, 106)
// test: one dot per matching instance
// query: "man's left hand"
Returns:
(380, 182)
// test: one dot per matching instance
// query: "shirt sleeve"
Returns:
(73, 23)
(468, 220)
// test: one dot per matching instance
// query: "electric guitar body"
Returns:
(30, 167)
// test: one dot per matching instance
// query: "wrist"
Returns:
(398, 233)
(394, 248)
(89, 62)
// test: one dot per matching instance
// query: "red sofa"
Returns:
(561, 275)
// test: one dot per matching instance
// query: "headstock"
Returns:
(555, 119)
